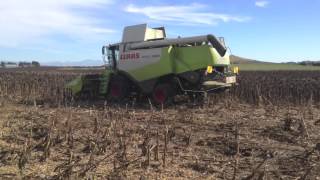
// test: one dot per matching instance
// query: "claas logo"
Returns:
(126, 56)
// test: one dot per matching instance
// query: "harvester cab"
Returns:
(110, 56)
(148, 63)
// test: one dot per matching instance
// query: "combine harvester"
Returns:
(146, 63)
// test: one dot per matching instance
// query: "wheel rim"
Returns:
(160, 96)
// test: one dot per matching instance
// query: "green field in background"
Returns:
(275, 67)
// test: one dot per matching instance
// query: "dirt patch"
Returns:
(132, 143)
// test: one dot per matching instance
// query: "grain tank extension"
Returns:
(146, 63)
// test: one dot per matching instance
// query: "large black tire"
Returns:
(163, 93)
(118, 89)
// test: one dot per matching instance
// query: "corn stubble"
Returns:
(265, 128)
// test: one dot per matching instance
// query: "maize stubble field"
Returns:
(265, 128)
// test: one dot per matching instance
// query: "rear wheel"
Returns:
(163, 93)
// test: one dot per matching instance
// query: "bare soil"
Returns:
(219, 140)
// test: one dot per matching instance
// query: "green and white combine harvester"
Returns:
(146, 63)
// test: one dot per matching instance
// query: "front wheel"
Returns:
(118, 89)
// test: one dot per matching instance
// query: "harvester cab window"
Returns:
(113, 56)
(222, 41)
(109, 57)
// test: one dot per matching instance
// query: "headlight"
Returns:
(209, 69)
(236, 70)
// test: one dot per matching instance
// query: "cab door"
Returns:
(111, 56)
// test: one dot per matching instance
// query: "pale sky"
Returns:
(74, 30)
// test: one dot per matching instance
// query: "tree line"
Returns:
(5, 64)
